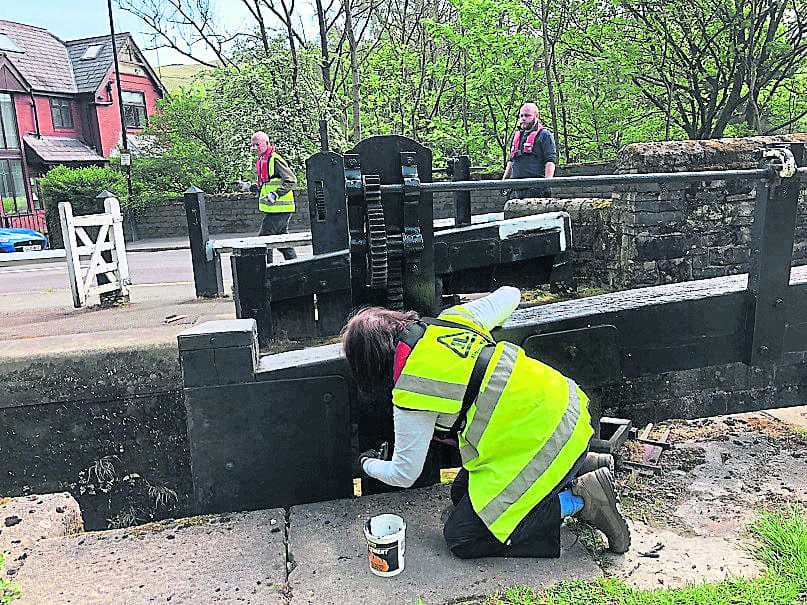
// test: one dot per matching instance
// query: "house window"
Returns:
(62, 113)
(8, 124)
(6, 43)
(134, 109)
(92, 52)
(12, 187)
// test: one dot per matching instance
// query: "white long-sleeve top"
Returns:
(414, 428)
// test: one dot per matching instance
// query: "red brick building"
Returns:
(59, 105)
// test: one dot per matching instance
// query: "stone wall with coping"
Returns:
(655, 233)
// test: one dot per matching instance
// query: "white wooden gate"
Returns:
(110, 237)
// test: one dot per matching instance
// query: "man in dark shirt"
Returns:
(532, 154)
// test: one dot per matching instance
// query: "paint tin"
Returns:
(386, 544)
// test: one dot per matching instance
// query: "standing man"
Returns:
(275, 197)
(532, 154)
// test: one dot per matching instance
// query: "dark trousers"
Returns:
(537, 535)
(277, 223)
(520, 194)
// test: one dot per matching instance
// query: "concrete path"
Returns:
(245, 557)
(688, 526)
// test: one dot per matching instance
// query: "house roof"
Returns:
(90, 73)
(40, 48)
(49, 64)
(61, 149)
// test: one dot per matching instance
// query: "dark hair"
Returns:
(369, 340)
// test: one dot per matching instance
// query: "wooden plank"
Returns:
(100, 289)
(287, 240)
(662, 328)
(112, 207)
(88, 250)
(92, 220)
(303, 238)
(71, 254)
(95, 258)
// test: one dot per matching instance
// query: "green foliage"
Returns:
(79, 187)
(452, 74)
(203, 136)
(781, 544)
(194, 146)
(8, 592)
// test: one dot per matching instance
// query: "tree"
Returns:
(706, 62)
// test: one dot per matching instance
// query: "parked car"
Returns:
(22, 240)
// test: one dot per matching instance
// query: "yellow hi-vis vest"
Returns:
(524, 430)
(285, 203)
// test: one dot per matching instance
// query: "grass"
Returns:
(8, 592)
(780, 542)
(187, 77)
(542, 297)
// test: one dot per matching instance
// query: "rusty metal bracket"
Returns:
(613, 433)
(411, 180)
(651, 454)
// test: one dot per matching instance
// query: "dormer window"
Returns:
(6, 43)
(92, 52)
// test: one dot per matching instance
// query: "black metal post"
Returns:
(206, 273)
(576, 181)
(772, 235)
(462, 199)
(250, 292)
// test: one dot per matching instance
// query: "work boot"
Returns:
(600, 507)
(594, 461)
(446, 513)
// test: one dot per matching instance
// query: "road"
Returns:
(168, 266)
(163, 267)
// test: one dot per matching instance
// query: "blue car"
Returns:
(22, 240)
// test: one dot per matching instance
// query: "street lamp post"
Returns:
(125, 156)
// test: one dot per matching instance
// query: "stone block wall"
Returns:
(595, 228)
(656, 233)
(708, 391)
(670, 232)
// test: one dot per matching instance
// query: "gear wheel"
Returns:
(395, 273)
(377, 271)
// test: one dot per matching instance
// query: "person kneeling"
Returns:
(523, 428)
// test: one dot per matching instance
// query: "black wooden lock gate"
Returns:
(375, 243)
(283, 429)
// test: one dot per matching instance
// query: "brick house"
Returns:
(59, 105)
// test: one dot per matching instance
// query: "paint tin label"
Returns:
(383, 557)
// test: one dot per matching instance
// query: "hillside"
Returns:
(176, 77)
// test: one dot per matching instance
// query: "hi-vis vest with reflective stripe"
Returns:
(284, 203)
(524, 431)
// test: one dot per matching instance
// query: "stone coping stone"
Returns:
(328, 555)
(234, 558)
(25, 520)
(218, 334)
